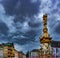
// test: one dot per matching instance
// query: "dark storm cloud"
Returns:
(31, 34)
(28, 37)
(55, 10)
(25, 7)
(22, 9)
(23, 41)
(22, 38)
(28, 8)
(57, 28)
(58, 5)
(19, 19)
(3, 28)
(54, 1)
(9, 6)
(33, 25)
(52, 21)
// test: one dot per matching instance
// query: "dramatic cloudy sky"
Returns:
(21, 22)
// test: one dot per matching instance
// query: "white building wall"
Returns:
(1, 53)
(56, 51)
(16, 54)
(34, 55)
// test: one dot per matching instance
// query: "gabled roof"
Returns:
(55, 44)
(7, 44)
(35, 50)
(21, 52)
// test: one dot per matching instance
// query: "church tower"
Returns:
(45, 39)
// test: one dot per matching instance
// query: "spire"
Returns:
(45, 29)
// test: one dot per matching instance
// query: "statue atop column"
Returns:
(45, 39)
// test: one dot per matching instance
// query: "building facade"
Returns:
(56, 48)
(21, 55)
(8, 50)
(16, 53)
(1, 51)
(34, 53)
(24, 56)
